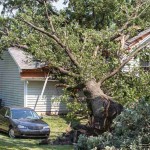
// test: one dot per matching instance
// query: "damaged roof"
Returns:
(141, 39)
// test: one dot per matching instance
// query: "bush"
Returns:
(131, 130)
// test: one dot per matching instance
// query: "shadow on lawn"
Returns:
(15, 144)
(7, 143)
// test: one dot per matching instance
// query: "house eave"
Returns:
(37, 79)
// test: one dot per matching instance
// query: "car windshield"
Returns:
(24, 114)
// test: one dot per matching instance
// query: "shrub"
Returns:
(131, 130)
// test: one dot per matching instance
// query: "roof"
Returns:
(143, 33)
(142, 38)
(23, 59)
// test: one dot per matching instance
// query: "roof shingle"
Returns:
(23, 59)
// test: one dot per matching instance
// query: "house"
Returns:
(24, 82)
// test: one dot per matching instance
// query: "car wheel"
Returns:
(11, 133)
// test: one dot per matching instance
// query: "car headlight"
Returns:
(22, 127)
(46, 127)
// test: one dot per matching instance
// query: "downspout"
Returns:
(41, 95)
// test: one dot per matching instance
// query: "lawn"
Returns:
(57, 125)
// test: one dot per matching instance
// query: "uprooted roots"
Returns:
(71, 137)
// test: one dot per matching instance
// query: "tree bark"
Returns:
(102, 109)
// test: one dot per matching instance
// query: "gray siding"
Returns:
(133, 63)
(47, 102)
(11, 86)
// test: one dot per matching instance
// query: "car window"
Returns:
(24, 114)
(3, 111)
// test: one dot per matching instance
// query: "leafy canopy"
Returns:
(82, 42)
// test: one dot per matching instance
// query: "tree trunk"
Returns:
(102, 109)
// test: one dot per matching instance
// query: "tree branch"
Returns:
(62, 85)
(5, 31)
(115, 71)
(95, 51)
(56, 39)
(63, 71)
(49, 18)
(2, 32)
(20, 46)
(118, 33)
(84, 39)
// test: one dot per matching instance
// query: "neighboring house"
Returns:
(22, 84)
(141, 40)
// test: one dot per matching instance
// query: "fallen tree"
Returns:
(84, 47)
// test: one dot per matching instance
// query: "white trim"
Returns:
(38, 79)
(25, 93)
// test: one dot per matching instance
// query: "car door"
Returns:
(4, 121)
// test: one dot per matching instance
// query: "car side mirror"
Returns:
(6, 116)
(41, 117)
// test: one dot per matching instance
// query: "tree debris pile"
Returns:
(71, 136)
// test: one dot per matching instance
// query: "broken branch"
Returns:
(49, 18)
(115, 71)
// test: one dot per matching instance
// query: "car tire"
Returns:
(11, 133)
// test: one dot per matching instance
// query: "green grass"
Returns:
(57, 125)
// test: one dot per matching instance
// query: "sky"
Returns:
(59, 5)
